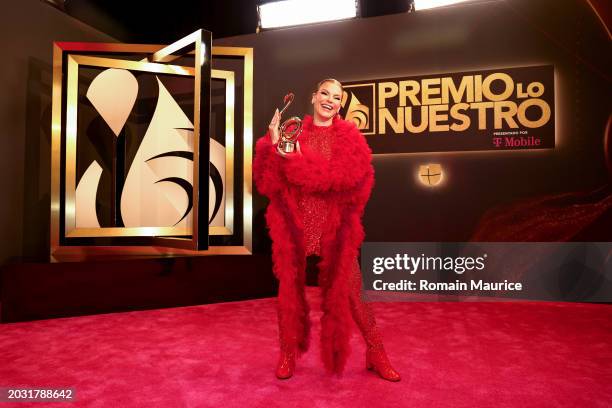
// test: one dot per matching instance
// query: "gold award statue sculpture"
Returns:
(289, 129)
(137, 167)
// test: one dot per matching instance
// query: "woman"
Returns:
(317, 197)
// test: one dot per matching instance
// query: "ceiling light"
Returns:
(296, 12)
(427, 4)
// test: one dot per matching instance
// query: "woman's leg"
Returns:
(287, 334)
(376, 358)
(293, 323)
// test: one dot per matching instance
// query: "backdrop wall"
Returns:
(28, 32)
(490, 35)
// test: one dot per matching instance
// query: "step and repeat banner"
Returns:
(500, 109)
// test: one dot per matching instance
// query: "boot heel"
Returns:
(378, 362)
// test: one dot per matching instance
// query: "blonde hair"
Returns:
(332, 80)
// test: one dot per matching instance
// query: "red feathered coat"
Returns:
(345, 180)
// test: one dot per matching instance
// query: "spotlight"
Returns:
(297, 12)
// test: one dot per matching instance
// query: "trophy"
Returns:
(289, 129)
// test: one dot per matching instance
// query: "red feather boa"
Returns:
(346, 180)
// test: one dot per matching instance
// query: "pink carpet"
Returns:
(523, 354)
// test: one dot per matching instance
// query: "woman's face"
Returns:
(326, 101)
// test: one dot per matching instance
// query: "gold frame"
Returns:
(161, 53)
(74, 62)
(230, 89)
(247, 185)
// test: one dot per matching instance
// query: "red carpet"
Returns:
(523, 354)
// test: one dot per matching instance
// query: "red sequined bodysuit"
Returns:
(314, 207)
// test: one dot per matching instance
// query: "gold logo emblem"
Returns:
(358, 106)
(356, 111)
(130, 166)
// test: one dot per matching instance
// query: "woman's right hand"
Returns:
(273, 128)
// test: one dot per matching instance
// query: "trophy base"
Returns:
(286, 147)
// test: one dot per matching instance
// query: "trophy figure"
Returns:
(289, 129)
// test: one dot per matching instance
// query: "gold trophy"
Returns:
(289, 129)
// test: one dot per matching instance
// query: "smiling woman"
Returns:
(326, 101)
(317, 198)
